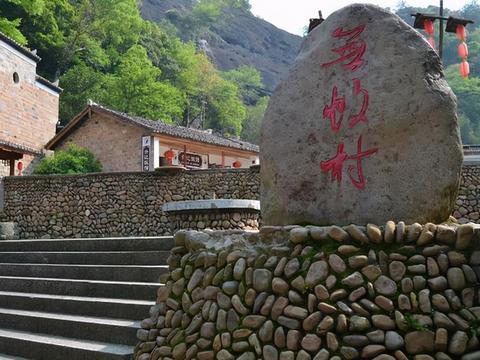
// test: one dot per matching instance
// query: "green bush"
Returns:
(73, 160)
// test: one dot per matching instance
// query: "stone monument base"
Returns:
(8, 231)
(353, 292)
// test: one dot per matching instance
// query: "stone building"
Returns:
(28, 108)
(127, 143)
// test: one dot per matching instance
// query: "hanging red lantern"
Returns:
(429, 29)
(169, 155)
(20, 168)
(464, 69)
(428, 26)
(462, 50)
(237, 164)
(461, 34)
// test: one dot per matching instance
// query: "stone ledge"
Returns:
(213, 204)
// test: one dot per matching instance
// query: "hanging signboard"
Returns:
(146, 145)
(191, 160)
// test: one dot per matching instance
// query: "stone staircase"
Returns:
(77, 298)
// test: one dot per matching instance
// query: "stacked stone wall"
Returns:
(467, 206)
(385, 293)
(215, 220)
(128, 204)
(115, 204)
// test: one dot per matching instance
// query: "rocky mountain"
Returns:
(238, 38)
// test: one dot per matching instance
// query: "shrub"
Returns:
(73, 160)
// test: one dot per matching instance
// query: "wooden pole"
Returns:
(440, 39)
(12, 167)
(185, 156)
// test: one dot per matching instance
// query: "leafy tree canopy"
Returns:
(103, 50)
(73, 160)
(252, 124)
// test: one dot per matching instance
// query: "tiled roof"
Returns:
(48, 84)
(180, 131)
(19, 47)
(18, 148)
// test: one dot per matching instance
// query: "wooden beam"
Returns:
(10, 155)
(196, 146)
(12, 167)
(184, 155)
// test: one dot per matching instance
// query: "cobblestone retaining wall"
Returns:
(114, 204)
(385, 293)
(467, 207)
(128, 204)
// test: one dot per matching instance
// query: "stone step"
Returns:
(49, 347)
(76, 305)
(86, 257)
(74, 287)
(102, 329)
(90, 244)
(91, 272)
(8, 357)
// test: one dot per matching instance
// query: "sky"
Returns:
(293, 15)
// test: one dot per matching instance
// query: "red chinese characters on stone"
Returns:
(330, 111)
(339, 104)
(335, 165)
(361, 116)
(350, 54)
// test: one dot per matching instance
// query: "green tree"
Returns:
(10, 21)
(249, 81)
(468, 97)
(226, 111)
(135, 89)
(80, 83)
(252, 124)
(103, 50)
(73, 160)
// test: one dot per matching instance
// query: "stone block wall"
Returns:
(127, 204)
(215, 220)
(115, 204)
(385, 293)
(467, 206)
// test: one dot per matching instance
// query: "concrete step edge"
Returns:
(90, 239)
(72, 318)
(131, 283)
(99, 347)
(114, 266)
(54, 297)
(8, 357)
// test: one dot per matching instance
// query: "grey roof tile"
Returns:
(181, 131)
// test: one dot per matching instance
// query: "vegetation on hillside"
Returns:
(73, 160)
(103, 50)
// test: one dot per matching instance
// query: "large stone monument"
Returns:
(361, 132)
(363, 129)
